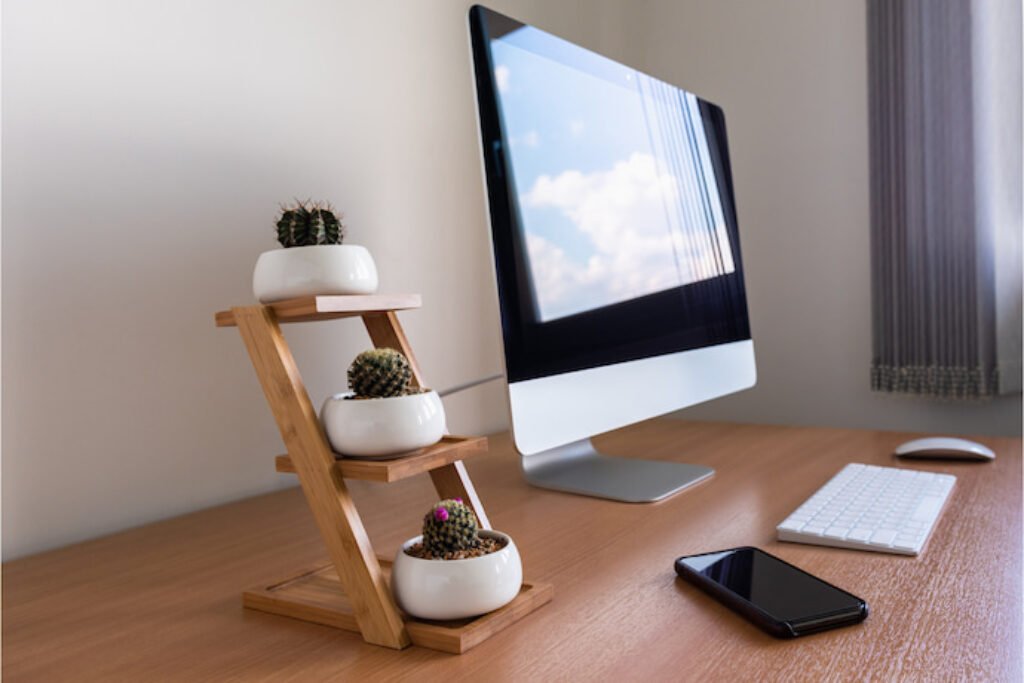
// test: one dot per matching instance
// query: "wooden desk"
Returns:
(162, 602)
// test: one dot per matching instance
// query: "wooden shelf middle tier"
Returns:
(448, 450)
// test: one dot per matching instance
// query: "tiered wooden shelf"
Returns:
(353, 592)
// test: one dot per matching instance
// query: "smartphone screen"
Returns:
(775, 594)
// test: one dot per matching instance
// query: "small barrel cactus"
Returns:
(380, 373)
(307, 224)
(450, 526)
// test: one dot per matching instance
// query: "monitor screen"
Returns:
(612, 214)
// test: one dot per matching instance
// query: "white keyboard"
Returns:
(866, 507)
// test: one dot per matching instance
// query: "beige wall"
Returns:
(791, 76)
(146, 146)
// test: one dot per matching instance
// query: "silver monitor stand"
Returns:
(578, 468)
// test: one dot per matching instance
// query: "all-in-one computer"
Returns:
(616, 254)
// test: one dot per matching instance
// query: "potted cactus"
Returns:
(314, 260)
(454, 569)
(382, 416)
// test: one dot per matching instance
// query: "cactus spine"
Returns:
(450, 526)
(309, 223)
(380, 373)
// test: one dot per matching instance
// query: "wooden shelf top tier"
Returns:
(446, 451)
(309, 308)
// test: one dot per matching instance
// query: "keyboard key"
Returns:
(928, 508)
(859, 534)
(836, 532)
(883, 536)
(791, 525)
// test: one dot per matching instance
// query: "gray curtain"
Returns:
(937, 227)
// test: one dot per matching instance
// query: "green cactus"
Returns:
(450, 526)
(380, 373)
(309, 223)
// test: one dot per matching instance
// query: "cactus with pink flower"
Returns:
(450, 526)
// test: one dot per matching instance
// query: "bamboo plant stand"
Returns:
(352, 592)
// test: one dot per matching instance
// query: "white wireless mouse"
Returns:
(945, 447)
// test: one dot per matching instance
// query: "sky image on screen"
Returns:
(617, 191)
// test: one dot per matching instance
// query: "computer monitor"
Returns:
(616, 254)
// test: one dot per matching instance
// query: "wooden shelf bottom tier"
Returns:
(316, 596)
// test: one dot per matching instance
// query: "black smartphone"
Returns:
(782, 599)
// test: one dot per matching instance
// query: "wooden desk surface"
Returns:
(162, 602)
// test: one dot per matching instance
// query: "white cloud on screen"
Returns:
(622, 214)
(501, 77)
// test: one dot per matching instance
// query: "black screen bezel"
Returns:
(697, 315)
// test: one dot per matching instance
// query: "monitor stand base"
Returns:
(579, 468)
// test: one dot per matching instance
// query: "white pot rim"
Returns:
(314, 246)
(483, 558)
(346, 395)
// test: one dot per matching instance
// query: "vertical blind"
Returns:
(934, 250)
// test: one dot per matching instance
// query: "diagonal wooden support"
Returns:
(333, 508)
(450, 481)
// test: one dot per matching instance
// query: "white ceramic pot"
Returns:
(455, 589)
(308, 271)
(376, 427)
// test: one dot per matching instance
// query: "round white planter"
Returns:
(377, 427)
(455, 589)
(309, 271)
